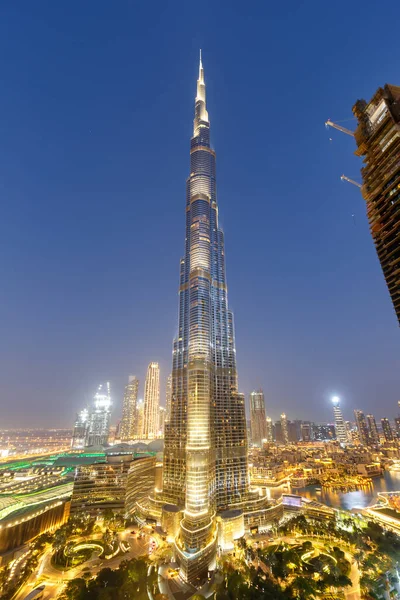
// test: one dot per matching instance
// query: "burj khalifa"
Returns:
(205, 452)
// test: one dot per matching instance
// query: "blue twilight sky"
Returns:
(97, 105)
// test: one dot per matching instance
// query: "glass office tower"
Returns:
(205, 452)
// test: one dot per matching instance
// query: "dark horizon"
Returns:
(98, 117)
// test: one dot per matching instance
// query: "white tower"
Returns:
(151, 401)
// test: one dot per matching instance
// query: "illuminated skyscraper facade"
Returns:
(81, 428)
(362, 428)
(129, 410)
(205, 452)
(373, 430)
(340, 427)
(151, 401)
(99, 419)
(258, 418)
(387, 430)
(378, 140)
(168, 397)
(285, 431)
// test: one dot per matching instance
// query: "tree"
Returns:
(75, 590)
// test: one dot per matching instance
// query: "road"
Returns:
(55, 579)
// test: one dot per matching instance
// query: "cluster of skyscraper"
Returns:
(92, 426)
(364, 431)
(205, 469)
(141, 419)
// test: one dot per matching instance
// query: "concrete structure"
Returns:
(129, 410)
(387, 430)
(140, 481)
(378, 142)
(103, 485)
(24, 516)
(340, 428)
(99, 419)
(171, 516)
(230, 528)
(258, 418)
(285, 431)
(373, 430)
(151, 401)
(205, 455)
(168, 397)
(81, 429)
(362, 427)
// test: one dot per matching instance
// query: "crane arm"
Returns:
(330, 123)
(344, 178)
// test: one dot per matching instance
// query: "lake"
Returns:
(389, 482)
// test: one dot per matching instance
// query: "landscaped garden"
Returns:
(131, 580)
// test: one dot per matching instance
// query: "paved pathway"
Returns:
(54, 579)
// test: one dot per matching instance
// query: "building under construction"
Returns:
(378, 140)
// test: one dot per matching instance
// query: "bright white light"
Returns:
(335, 399)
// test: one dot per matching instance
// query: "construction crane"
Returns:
(344, 178)
(330, 123)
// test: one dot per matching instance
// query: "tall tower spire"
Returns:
(201, 114)
(205, 452)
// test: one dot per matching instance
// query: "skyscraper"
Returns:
(99, 419)
(140, 419)
(258, 418)
(387, 430)
(205, 452)
(378, 140)
(340, 427)
(168, 397)
(270, 437)
(161, 421)
(151, 401)
(81, 426)
(373, 429)
(128, 422)
(285, 431)
(362, 427)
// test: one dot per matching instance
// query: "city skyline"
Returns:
(339, 336)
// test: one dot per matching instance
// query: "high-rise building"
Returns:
(397, 426)
(161, 421)
(362, 428)
(81, 427)
(128, 422)
(373, 430)
(285, 430)
(151, 401)
(141, 481)
(378, 140)
(140, 419)
(258, 418)
(99, 420)
(270, 436)
(101, 486)
(205, 452)
(387, 430)
(168, 397)
(306, 431)
(278, 432)
(323, 432)
(340, 428)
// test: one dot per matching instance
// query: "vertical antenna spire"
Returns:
(200, 107)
